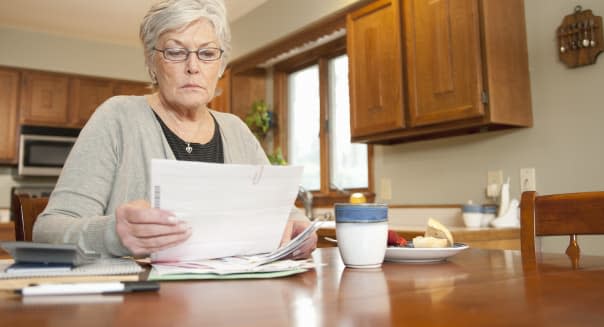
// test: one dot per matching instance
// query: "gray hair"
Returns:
(169, 15)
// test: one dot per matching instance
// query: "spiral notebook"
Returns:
(100, 267)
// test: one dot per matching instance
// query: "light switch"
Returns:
(527, 180)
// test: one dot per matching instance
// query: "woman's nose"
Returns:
(192, 64)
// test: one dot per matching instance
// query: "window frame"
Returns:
(326, 195)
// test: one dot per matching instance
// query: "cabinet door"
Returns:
(442, 40)
(9, 83)
(86, 95)
(132, 88)
(222, 101)
(375, 68)
(44, 99)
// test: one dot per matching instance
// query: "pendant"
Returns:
(189, 149)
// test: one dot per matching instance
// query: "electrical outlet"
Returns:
(527, 180)
(495, 177)
(386, 189)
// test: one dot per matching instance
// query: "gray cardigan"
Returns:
(109, 166)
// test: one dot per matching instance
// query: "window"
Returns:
(304, 125)
(308, 70)
(348, 161)
(312, 90)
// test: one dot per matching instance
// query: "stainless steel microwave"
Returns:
(43, 150)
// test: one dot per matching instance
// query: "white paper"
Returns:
(230, 265)
(233, 209)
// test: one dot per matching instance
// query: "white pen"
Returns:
(88, 288)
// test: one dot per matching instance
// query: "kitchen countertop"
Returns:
(487, 237)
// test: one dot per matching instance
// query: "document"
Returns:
(234, 210)
(267, 265)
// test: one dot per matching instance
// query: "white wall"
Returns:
(35, 50)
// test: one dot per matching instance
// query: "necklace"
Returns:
(188, 146)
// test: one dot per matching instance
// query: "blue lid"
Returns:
(361, 212)
(470, 207)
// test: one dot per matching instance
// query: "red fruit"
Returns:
(395, 239)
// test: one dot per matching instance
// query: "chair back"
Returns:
(27, 210)
(560, 214)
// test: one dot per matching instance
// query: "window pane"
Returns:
(303, 120)
(348, 161)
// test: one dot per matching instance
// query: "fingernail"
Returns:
(173, 219)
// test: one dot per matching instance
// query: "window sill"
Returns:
(329, 199)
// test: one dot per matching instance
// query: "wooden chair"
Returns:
(26, 212)
(560, 214)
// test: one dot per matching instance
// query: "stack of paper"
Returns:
(238, 214)
(256, 266)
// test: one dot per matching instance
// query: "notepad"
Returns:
(101, 267)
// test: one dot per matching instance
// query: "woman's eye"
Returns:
(207, 54)
(176, 53)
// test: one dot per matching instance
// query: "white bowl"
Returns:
(472, 219)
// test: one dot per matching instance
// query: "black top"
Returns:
(209, 152)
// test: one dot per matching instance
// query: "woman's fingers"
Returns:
(144, 230)
(144, 246)
(307, 247)
(292, 229)
(154, 230)
(139, 212)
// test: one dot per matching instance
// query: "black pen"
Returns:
(88, 288)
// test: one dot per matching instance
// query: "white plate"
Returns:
(419, 255)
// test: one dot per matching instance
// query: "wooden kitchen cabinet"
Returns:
(239, 91)
(86, 95)
(131, 88)
(9, 86)
(44, 99)
(458, 66)
(31, 97)
(222, 100)
(375, 73)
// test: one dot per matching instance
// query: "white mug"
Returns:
(362, 233)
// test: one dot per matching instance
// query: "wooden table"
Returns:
(477, 287)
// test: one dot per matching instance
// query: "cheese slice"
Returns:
(437, 230)
(429, 242)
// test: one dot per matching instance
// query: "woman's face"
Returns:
(189, 84)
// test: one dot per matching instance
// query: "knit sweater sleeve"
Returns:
(76, 212)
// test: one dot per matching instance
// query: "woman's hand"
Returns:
(292, 229)
(144, 230)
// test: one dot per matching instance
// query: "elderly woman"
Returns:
(100, 200)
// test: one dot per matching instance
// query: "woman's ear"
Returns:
(153, 77)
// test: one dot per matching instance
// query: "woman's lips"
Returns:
(192, 86)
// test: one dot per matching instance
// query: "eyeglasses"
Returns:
(181, 54)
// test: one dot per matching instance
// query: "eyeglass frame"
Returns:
(198, 51)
